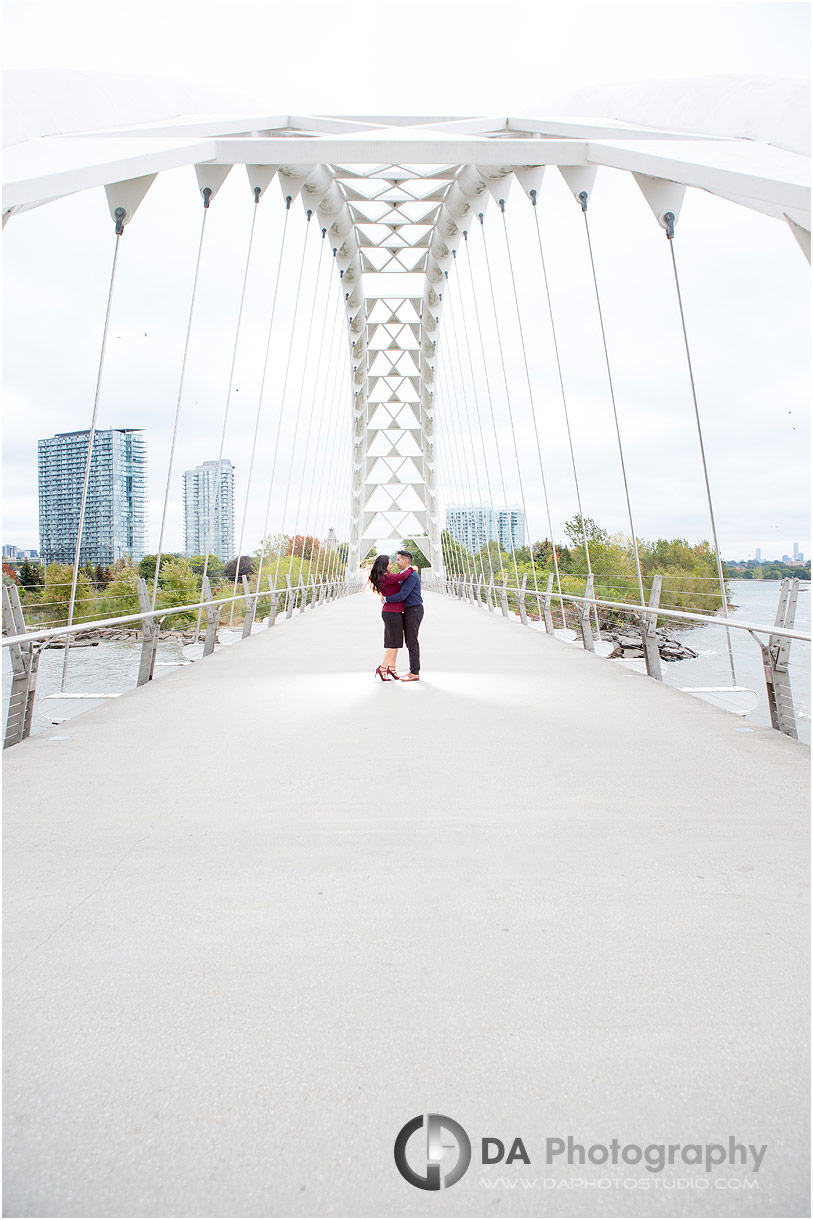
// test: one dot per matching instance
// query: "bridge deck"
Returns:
(262, 913)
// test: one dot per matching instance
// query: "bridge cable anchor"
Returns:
(669, 224)
(207, 196)
(119, 215)
(583, 200)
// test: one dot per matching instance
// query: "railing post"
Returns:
(504, 599)
(304, 593)
(775, 656)
(289, 597)
(652, 654)
(546, 606)
(149, 647)
(25, 659)
(584, 616)
(272, 610)
(523, 613)
(250, 604)
(212, 616)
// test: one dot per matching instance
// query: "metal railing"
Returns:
(493, 595)
(25, 646)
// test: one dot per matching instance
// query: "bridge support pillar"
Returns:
(272, 609)
(584, 617)
(775, 655)
(523, 613)
(546, 606)
(504, 600)
(25, 659)
(151, 628)
(652, 654)
(212, 615)
(251, 608)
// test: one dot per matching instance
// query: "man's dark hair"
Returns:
(408, 555)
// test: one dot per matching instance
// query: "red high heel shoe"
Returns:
(393, 674)
(381, 674)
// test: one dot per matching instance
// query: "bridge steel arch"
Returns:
(394, 196)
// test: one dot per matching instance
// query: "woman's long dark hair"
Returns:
(380, 565)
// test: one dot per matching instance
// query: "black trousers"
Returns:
(412, 623)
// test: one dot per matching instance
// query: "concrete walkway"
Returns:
(262, 913)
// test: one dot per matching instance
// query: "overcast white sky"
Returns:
(745, 281)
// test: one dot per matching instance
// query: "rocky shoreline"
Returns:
(628, 646)
(91, 637)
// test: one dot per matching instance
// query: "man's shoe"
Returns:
(411, 678)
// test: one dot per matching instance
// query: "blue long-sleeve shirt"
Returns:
(409, 593)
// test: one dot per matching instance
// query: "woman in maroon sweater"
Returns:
(385, 582)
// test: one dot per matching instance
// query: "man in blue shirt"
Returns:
(410, 595)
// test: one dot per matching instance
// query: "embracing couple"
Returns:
(400, 591)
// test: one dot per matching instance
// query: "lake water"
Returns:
(112, 667)
(756, 602)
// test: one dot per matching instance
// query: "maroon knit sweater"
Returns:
(390, 583)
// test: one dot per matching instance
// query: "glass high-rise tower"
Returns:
(116, 510)
(200, 495)
(473, 525)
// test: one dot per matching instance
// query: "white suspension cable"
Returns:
(311, 412)
(583, 199)
(216, 496)
(454, 428)
(321, 442)
(533, 413)
(193, 298)
(120, 214)
(282, 403)
(477, 400)
(467, 429)
(670, 233)
(328, 464)
(507, 399)
(260, 406)
(298, 416)
(533, 195)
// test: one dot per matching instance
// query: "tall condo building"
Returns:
(200, 495)
(116, 509)
(473, 525)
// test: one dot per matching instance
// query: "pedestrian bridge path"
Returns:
(263, 912)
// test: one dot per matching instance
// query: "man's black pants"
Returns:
(412, 623)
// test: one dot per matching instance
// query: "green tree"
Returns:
(121, 592)
(179, 587)
(271, 547)
(577, 527)
(28, 575)
(419, 559)
(214, 569)
(57, 593)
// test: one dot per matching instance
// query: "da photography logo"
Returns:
(437, 1125)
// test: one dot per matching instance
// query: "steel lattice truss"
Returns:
(395, 196)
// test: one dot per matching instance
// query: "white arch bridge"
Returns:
(535, 891)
